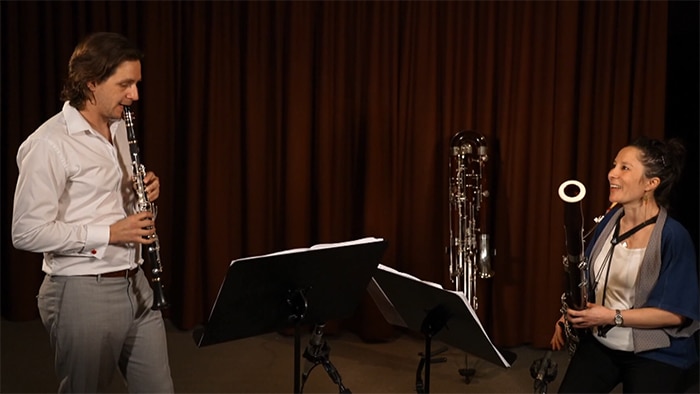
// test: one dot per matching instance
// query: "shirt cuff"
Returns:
(96, 241)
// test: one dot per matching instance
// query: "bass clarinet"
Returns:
(575, 263)
(144, 205)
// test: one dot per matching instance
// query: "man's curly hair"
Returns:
(95, 59)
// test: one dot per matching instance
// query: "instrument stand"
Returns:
(544, 371)
(268, 293)
(317, 352)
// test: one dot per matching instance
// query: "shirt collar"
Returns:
(76, 123)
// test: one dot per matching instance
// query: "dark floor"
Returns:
(265, 364)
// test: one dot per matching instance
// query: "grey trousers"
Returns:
(100, 325)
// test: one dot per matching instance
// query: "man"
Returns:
(74, 202)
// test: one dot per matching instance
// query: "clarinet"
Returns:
(144, 205)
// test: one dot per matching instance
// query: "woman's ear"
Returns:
(653, 183)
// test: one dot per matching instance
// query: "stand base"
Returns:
(468, 373)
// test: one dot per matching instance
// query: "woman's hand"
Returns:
(593, 316)
(558, 339)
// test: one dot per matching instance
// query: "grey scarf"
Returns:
(646, 338)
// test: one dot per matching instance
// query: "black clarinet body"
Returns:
(144, 205)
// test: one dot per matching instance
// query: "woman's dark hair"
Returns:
(664, 160)
(95, 59)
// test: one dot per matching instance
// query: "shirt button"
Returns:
(94, 251)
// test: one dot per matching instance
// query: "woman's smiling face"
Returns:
(627, 180)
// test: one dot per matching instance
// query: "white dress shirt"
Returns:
(73, 184)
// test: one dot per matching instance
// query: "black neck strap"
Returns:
(616, 239)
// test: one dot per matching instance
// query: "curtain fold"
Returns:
(277, 125)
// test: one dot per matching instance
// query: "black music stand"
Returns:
(428, 308)
(267, 293)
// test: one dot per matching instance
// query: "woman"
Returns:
(638, 327)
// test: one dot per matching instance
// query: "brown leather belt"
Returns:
(119, 274)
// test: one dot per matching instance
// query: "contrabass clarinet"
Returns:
(144, 205)
(575, 263)
(469, 250)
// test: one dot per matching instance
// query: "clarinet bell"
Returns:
(159, 302)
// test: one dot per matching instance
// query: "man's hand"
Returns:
(136, 228)
(152, 185)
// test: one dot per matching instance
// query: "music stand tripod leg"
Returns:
(317, 352)
(434, 321)
(425, 361)
(297, 301)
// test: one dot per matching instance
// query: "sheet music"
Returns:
(405, 275)
(360, 241)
